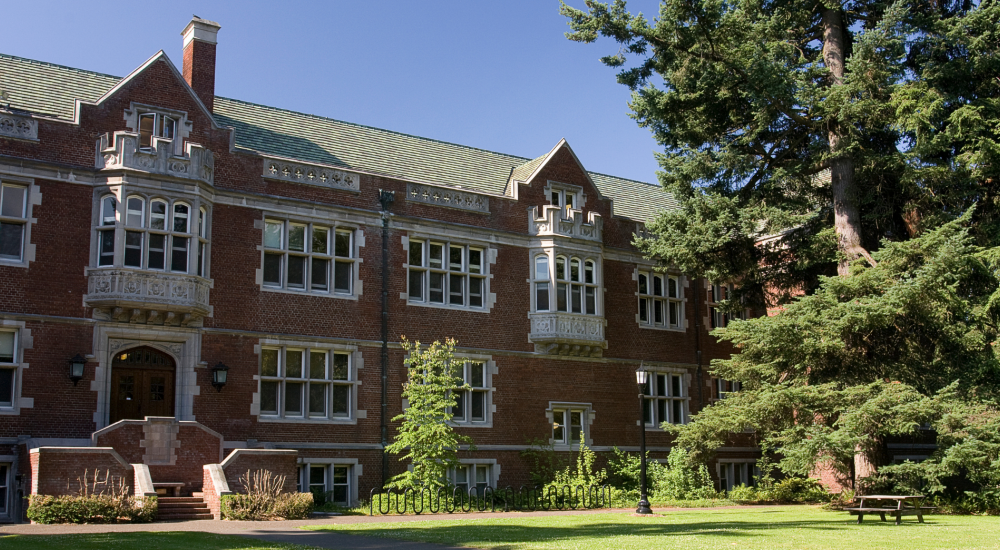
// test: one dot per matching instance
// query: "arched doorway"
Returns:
(142, 384)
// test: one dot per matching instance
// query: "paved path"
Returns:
(288, 531)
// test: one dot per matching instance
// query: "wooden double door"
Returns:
(142, 384)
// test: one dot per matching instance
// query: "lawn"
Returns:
(145, 541)
(769, 527)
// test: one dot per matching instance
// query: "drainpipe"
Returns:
(386, 198)
(697, 342)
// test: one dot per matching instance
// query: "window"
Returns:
(718, 317)
(13, 221)
(8, 368)
(155, 125)
(665, 399)
(157, 234)
(473, 477)
(305, 383)
(307, 257)
(329, 483)
(446, 273)
(567, 426)
(722, 389)
(660, 303)
(566, 199)
(471, 404)
(4, 487)
(570, 287)
(734, 474)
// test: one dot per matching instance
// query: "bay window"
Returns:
(571, 286)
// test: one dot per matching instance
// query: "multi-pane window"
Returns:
(305, 383)
(565, 199)
(568, 426)
(472, 477)
(13, 220)
(329, 483)
(718, 317)
(660, 300)
(471, 404)
(308, 257)
(722, 388)
(155, 125)
(158, 234)
(8, 367)
(4, 487)
(665, 399)
(571, 286)
(734, 474)
(446, 273)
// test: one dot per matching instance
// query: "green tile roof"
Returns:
(49, 89)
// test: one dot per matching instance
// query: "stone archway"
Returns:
(142, 384)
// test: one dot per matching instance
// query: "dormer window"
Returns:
(155, 125)
(564, 196)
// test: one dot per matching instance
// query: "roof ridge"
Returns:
(19, 58)
(625, 179)
(355, 124)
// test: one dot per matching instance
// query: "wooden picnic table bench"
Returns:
(894, 505)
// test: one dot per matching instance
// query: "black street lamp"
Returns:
(641, 376)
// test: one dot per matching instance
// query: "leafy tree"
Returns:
(426, 439)
(798, 134)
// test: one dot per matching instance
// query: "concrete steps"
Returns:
(182, 508)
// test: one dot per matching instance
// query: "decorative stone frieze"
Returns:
(311, 174)
(553, 221)
(558, 333)
(147, 297)
(17, 126)
(197, 163)
(443, 196)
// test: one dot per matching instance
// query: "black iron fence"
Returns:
(450, 500)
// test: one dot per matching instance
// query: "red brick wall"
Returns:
(243, 461)
(59, 470)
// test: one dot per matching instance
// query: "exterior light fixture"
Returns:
(219, 374)
(641, 377)
(76, 366)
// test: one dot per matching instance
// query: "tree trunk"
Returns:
(847, 219)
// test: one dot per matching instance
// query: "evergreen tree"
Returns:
(426, 438)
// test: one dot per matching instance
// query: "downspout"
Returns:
(386, 198)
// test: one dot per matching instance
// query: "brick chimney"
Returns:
(199, 58)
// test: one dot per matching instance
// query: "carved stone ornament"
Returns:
(553, 221)
(17, 126)
(567, 334)
(121, 152)
(147, 297)
(443, 196)
(310, 174)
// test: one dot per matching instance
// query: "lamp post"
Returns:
(641, 376)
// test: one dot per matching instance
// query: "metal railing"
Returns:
(450, 500)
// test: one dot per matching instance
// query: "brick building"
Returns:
(157, 231)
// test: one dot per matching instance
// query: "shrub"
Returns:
(264, 500)
(744, 494)
(98, 500)
(796, 489)
(584, 474)
(683, 479)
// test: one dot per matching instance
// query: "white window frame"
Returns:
(717, 294)
(161, 122)
(182, 127)
(419, 275)
(722, 388)
(17, 366)
(119, 222)
(305, 382)
(651, 300)
(486, 390)
(330, 464)
(470, 468)
(660, 399)
(565, 284)
(6, 486)
(564, 196)
(559, 412)
(30, 196)
(283, 254)
(728, 470)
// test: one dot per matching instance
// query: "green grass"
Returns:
(168, 540)
(777, 527)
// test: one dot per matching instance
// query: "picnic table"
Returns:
(894, 505)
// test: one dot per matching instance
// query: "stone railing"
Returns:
(567, 334)
(554, 221)
(444, 196)
(149, 297)
(197, 163)
(18, 127)
(310, 174)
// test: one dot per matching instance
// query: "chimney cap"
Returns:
(201, 29)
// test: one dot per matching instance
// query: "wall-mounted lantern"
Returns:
(219, 374)
(76, 366)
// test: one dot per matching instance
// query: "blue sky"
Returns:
(494, 75)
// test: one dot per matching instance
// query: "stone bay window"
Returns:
(567, 309)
